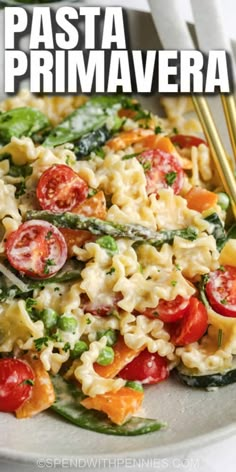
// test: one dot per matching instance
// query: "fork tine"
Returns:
(215, 37)
(217, 149)
(229, 107)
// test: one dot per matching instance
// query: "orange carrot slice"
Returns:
(200, 199)
(127, 138)
(119, 406)
(94, 206)
(123, 355)
(43, 395)
(75, 237)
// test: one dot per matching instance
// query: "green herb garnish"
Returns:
(48, 263)
(40, 342)
(170, 178)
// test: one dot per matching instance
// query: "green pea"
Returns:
(134, 385)
(67, 323)
(106, 356)
(49, 317)
(223, 200)
(110, 334)
(108, 243)
(79, 348)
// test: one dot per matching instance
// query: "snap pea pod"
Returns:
(218, 230)
(138, 233)
(23, 121)
(91, 141)
(67, 404)
(88, 117)
(12, 291)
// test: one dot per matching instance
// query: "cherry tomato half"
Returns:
(36, 248)
(162, 170)
(221, 291)
(16, 379)
(60, 189)
(192, 326)
(185, 141)
(168, 311)
(147, 367)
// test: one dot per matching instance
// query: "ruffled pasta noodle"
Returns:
(92, 383)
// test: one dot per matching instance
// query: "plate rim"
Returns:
(200, 441)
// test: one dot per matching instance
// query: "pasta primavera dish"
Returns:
(117, 259)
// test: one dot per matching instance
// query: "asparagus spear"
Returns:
(91, 116)
(23, 121)
(91, 142)
(137, 233)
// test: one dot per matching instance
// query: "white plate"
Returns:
(195, 418)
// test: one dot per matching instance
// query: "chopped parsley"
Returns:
(170, 178)
(28, 382)
(92, 192)
(100, 152)
(175, 130)
(66, 347)
(48, 235)
(142, 115)
(177, 266)
(155, 313)
(30, 304)
(219, 339)
(111, 271)
(158, 130)
(48, 263)
(88, 321)
(223, 301)
(174, 283)
(146, 166)
(130, 156)
(20, 189)
(222, 268)
(40, 342)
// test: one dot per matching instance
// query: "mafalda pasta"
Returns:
(116, 263)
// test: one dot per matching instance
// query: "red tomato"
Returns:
(60, 189)
(14, 388)
(147, 367)
(168, 311)
(221, 291)
(36, 248)
(192, 326)
(185, 141)
(162, 170)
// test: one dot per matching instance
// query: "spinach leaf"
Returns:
(19, 122)
(89, 117)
